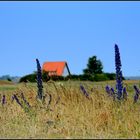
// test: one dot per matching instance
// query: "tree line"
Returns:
(93, 72)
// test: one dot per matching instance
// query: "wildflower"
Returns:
(119, 84)
(107, 89)
(27, 103)
(137, 92)
(136, 96)
(3, 100)
(17, 100)
(136, 89)
(39, 80)
(125, 94)
(84, 91)
(112, 93)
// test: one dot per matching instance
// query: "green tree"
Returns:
(9, 79)
(94, 66)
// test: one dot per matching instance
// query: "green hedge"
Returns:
(84, 77)
(32, 77)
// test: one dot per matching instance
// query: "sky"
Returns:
(69, 31)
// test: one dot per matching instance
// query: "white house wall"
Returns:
(65, 72)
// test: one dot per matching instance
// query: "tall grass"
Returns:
(66, 113)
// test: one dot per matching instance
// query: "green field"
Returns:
(68, 113)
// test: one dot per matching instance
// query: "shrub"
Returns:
(111, 76)
(100, 77)
(84, 77)
(29, 77)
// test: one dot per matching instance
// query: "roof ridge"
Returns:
(54, 61)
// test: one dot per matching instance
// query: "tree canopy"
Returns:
(94, 66)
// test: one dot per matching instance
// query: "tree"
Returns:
(9, 79)
(94, 66)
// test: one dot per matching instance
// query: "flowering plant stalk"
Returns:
(125, 94)
(107, 88)
(3, 100)
(25, 101)
(119, 84)
(17, 100)
(39, 81)
(137, 92)
(84, 91)
(113, 93)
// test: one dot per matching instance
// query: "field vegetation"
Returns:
(67, 113)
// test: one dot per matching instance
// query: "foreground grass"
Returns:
(70, 114)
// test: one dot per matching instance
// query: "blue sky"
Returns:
(69, 31)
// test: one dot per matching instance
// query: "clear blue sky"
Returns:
(69, 31)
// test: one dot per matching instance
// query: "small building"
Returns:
(56, 68)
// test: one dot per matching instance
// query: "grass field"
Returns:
(67, 113)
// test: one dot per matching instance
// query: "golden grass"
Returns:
(70, 114)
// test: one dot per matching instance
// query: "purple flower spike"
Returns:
(125, 94)
(17, 100)
(3, 100)
(25, 101)
(84, 91)
(107, 89)
(136, 97)
(137, 92)
(112, 93)
(39, 80)
(136, 89)
(119, 84)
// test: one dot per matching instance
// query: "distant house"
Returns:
(56, 68)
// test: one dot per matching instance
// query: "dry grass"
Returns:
(5, 82)
(70, 114)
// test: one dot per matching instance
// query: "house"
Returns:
(56, 68)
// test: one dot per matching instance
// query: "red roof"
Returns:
(56, 68)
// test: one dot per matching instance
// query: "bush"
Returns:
(101, 77)
(73, 77)
(57, 78)
(84, 77)
(32, 77)
(45, 76)
(29, 77)
(111, 76)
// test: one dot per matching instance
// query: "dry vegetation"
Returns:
(68, 113)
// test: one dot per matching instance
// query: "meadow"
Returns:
(67, 113)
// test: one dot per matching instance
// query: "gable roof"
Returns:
(57, 67)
